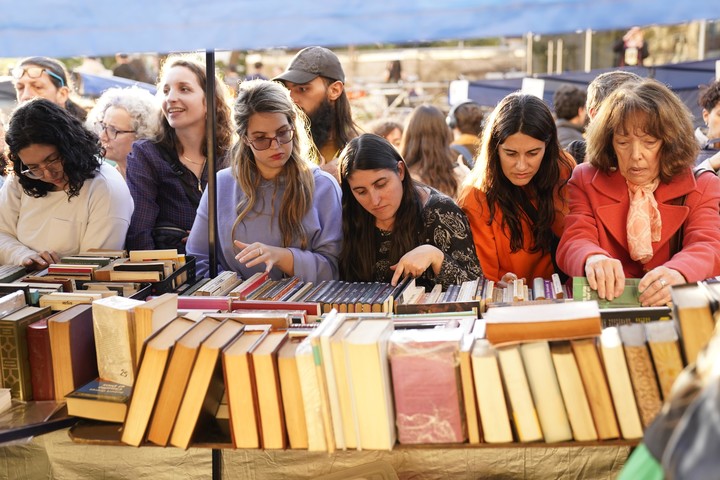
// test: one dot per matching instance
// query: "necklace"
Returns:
(195, 163)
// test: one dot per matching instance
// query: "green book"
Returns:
(629, 297)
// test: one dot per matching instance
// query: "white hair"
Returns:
(143, 107)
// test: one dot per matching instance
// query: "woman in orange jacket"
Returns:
(514, 195)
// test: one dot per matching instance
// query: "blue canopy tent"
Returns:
(684, 79)
(61, 28)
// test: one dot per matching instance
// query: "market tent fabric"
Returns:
(61, 28)
(685, 79)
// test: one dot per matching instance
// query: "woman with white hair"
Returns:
(120, 117)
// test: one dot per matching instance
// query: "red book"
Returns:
(250, 285)
(310, 308)
(203, 303)
(41, 369)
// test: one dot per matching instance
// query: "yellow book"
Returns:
(665, 349)
(490, 397)
(573, 392)
(521, 402)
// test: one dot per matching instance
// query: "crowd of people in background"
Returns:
(507, 192)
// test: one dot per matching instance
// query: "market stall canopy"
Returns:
(62, 28)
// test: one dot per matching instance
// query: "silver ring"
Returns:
(260, 253)
(663, 283)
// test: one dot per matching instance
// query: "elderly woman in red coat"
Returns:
(636, 209)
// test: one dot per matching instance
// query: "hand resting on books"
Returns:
(416, 261)
(40, 260)
(255, 253)
(655, 286)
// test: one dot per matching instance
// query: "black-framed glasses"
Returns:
(35, 72)
(37, 171)
(263, 143)
(111, 131)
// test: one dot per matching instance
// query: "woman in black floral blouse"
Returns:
(394, 227)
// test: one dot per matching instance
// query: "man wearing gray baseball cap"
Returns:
(316, 81)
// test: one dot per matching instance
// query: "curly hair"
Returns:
(357, 257)
(527, 114)
(710, 96)
(223, 114)
(141, 105)
(41, 121)
(57, 67)
(264, 96)
(664, 116)
(567, 100)
(425, 146)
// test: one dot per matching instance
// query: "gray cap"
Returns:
(310, 63)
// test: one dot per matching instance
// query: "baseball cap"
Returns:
(310, 63)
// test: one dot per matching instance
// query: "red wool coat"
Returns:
(597, 220)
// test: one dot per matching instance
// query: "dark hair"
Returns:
(41, 121)
(56, 67)
(224, 126)
(345, 128)
(527, 114)
(567, 100)
(425, 146)
(384, 127)
(357, 258)
(710, 96)
(665, 117)
(468, 118)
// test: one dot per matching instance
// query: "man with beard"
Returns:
(316, 82)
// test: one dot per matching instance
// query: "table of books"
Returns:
(56, 456)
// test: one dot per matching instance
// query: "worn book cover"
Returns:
(99, 400)
(40, 357)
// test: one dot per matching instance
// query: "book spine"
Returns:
(40, 359)
(539, 289)
(14, 355)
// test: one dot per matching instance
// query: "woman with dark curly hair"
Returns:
(61, 198)
(636, 209)
(513, 196)
(167, 176)
(394, 227)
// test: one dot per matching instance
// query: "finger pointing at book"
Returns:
(255, 253)
(416, 261)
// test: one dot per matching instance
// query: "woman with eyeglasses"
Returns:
(278, 211)
(167, 176)
(46, 78)
(120, 117)
(62, 198)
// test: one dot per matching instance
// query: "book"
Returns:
(12, 302)
(426, 385)
(153, 315)
(40, 358)
(249, 285)
(642, 373)
(175, 380)
(114, 327)
(242, 395)
(264, 360)
(292, 394)
(99, 400)
(620, 385)
(10, 273)
(98, 260)
(155, 357)
(310, 388)
(59, 301)
(72, 345)
(520, 399)
(551, 321)
(369, 378)
(150, 255)
(14, 350)
(617, 316)
(573, 392)
(472, 418)
(6, 288)
(546, 393)
(342, 384)
(490, 396)
(68, 283)
(116, 275)
(277, 319)
(691, 308)
(596, 387)
(205, 386)
(628, 298)
(665, 350)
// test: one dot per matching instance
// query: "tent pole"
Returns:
(210, 133)
(529, 54)
(588, 50)
(559, 55)
(701, 39)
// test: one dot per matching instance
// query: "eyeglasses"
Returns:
(263, 143)
(35, 72)
(111, 131)
(37, 171)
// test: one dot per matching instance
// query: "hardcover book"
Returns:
(99, 400)
(40, 357)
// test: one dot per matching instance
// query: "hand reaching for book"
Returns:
(654, 287)
(416, 261)
(255, 253)
(40, 260)
(605, 275)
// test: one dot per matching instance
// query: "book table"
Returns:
(92, 450)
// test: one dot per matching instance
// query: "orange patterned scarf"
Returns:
(643, 221)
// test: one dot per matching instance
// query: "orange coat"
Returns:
(492, 242)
